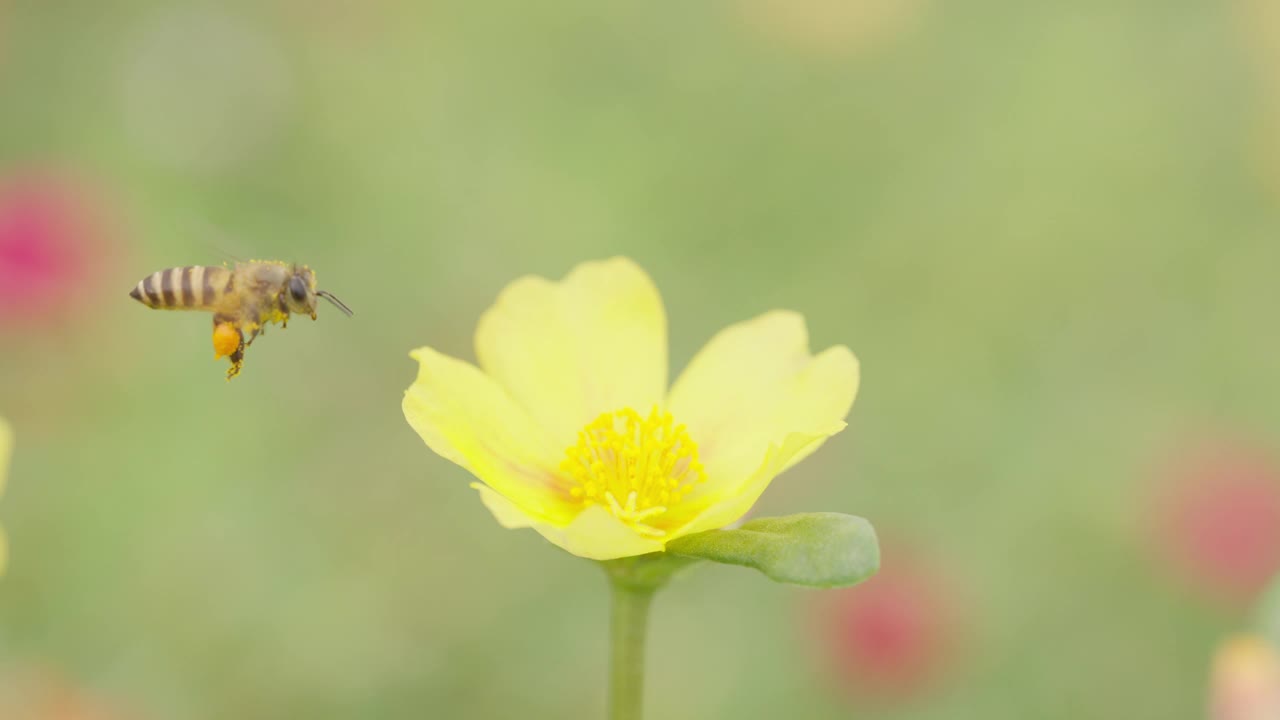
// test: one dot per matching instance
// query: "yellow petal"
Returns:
(755, 384)
(569, 351)
(1245, 680)
(508, 514)
(594, 534)
(467, 418)
(718, 509)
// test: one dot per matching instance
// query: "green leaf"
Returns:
(813, 549)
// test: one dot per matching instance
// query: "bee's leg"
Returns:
(284, 311)
(228, 341)
(237, 362)
(254, 331)
(227, 338)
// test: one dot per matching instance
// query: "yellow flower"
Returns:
(1246, 680)
(570, 426)
(6, 450)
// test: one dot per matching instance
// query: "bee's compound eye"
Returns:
(298, 289)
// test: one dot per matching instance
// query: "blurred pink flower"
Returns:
(51, 241)
(892, 636)
(1218, 521)
(1245, 684)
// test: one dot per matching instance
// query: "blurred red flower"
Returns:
(51, 239)
(1218, 521)
(892, 636)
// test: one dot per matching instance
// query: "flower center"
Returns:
(637, 468)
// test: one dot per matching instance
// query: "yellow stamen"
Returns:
(636, 468)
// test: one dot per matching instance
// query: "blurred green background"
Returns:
(1047, 229)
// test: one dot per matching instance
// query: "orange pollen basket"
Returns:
(226, 340)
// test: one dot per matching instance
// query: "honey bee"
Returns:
(243, 299)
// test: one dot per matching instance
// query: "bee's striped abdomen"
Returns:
(194, 287)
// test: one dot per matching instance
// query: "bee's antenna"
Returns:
(336, 302)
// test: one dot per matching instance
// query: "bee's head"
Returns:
(300, 293)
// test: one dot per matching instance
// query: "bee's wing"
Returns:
(215, 240)
(226, 256)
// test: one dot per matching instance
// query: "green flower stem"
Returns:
(633, 581)
(627, 634)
